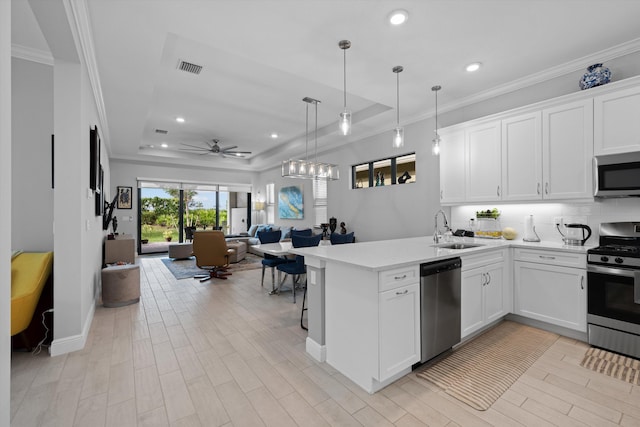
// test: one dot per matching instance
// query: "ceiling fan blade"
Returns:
(194, 146)
(237, 152)
(228, 148)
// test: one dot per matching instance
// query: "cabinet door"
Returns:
(567, 151)
(472, 301)
(616, 125)
(494, 293)
(551, 294)
(452, 174)
(522, 157)
(399, 329)
(483, 161)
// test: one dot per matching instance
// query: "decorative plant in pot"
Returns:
(167, 234)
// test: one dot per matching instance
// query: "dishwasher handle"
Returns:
(435, 267)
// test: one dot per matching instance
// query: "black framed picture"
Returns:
(94, 158)
(125, 197)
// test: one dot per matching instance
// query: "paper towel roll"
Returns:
(530, 234)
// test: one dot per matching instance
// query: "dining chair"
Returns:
(297, 268)
(339, 239)
(270, 261)
(212, 254)
(307, 232)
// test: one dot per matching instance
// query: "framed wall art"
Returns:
(125, 197)
(290, 202)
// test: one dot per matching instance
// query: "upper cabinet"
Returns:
(616, 124)
(482, 159)
(567, 151)
(540, 155)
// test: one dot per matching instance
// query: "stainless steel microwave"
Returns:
(617, 175)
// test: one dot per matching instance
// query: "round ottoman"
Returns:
(120, 285)
(180, 250)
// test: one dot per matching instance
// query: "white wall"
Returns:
(5, 211)
(125, 173)
(32, 126)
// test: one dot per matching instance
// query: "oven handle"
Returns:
(620, 272)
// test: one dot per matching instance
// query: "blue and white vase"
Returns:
(596, 75)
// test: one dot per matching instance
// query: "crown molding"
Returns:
(81, 28)
(31, 54)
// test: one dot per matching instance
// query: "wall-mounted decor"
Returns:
(290, 202)
(99, 194)
(125, 196)
(94, 158)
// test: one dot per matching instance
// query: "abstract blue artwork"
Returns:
(290, 203)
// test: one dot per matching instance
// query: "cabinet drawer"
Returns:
(566, 259)
(480, 260)
(391, 279)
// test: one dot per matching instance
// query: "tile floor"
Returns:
(224, 353)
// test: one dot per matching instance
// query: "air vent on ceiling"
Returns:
(189, 67)
(162, 131)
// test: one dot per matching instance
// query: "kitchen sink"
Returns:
(457, 245)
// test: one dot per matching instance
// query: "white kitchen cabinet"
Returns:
(398, 331)
(486, 292)
(373, 330)
(567, 151)
(483, 162)
(547, 290)
(616, 125)
(452, 167)
(522, 157)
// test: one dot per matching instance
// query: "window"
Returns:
(320, 201)
(271, 203)
(383, 172)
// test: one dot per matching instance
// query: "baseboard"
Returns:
(74, 342)
(315, 350)
(560, 330)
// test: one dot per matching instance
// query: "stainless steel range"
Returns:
(613, 278)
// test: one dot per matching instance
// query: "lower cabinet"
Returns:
(552, 294)
(398, 331)
(486, 294)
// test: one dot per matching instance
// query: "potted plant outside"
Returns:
(167, 234)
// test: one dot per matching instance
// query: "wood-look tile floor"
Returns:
(224, 353)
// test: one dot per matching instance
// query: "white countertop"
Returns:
(396, 253)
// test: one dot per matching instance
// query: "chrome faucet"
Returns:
(436, 235)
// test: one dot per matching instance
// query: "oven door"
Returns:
(614, 293)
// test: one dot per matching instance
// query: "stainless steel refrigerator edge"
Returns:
(440, 292)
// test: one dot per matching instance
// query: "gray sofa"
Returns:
(251, 237)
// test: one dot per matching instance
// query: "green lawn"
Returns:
(155, 235)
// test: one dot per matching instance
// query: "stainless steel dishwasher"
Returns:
(440, 291)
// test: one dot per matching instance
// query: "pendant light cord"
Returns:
(344, 73)
(315, 135)
(398, 99)
(306, 135)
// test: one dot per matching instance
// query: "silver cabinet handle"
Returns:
(538, 188)
(546, 257)
(498, 191)
(404, 276)
(546, 188)
(582, 282)
(489, 276)
(406, 291)
(441, 192)
(484, 279)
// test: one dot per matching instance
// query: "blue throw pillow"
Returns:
(262, 228)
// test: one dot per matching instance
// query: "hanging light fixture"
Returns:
(310, 169)
(435, 147)
(344, 121)
(398, 132)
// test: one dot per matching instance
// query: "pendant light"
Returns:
(435, 147)
(398, 132)
(307, 169)
(344, 120)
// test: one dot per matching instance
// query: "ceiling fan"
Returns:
(213, 148)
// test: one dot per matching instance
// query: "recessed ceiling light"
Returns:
(164, 145)
(473, 67)
(398, 17)
(274, 135)
(180, 119)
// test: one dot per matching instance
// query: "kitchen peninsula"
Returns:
(364, 299)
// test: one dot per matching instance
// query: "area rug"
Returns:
(481, 370)
(186, 268)
(612, 364)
